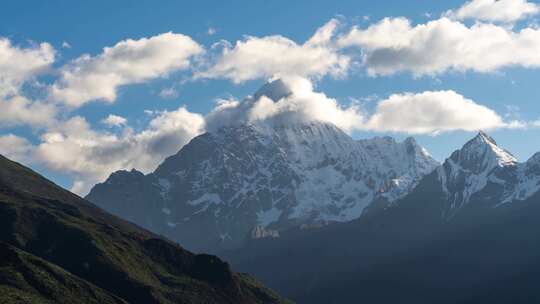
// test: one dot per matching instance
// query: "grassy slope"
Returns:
(65, 243)
(25, 278)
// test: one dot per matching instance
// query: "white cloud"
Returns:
(66, 45)
(325, 34)
(295, 101)
(393, 45)
(18, 65)
(434, 112)
(128, 62)
(114, 121)
(18, 110)
(16, 148)
(168, 93)
(89, 156)
(254, 57)
(495, 10)
(211, 31)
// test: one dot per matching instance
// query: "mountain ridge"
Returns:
(482, 168)
(250, 176)
(428, 247)
(276, 177)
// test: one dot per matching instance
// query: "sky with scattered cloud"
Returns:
(82, 96)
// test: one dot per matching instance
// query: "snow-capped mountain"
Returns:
(472, 222)
(226, 183)
(484, 173)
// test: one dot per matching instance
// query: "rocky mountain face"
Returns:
(467, 233)
(486, 174)
(224, 184)
(58, 248)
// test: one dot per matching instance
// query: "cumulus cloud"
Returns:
(114, 121)
(394, 45)
(290, 100)
(130, 61)
(495, 10)
(18, 110)
(75, 148)
(18, 64)
(434, 112)
(16, 148)
(265, 57)
(293, 100)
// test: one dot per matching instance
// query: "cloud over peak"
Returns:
(295, 102)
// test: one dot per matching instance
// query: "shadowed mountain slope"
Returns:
(468, 233)
(57, 248)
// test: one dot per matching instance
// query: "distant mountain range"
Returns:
(58, 248)
(247, 181)
(467, 233)
(324, 218)
(226, 184)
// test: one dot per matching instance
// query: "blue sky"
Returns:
(75, 28)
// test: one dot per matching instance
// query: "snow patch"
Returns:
(265, 218)
(210, 198)
(165, 187)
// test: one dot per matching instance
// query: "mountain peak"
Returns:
(275, 89)
(482, 154)
(483, 137)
